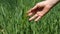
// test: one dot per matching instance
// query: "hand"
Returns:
(39, 10)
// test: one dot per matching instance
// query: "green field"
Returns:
(14, 20)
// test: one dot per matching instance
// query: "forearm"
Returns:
(52, 2)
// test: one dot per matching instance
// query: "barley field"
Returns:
(14, 20)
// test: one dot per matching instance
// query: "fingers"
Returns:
(30, 12)
(33, 17)
(37, 18)
(34, 9)
(40, 14)
(45, 10)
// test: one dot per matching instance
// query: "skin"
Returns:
(40, 9)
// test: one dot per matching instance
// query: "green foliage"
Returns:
(14, 20)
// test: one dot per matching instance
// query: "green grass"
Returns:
(13, 18)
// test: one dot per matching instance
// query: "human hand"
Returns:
(40, 9)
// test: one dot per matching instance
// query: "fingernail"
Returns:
(35, 20)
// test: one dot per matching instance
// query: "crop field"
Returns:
(14, 20)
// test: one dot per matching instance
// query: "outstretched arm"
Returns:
(40, 9)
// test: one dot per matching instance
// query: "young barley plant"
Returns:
(14, 20)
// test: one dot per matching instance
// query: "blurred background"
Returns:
(14, 20)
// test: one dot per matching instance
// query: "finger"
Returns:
(37, 18)
(33, 17)
(31, 11)
(30, 14)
